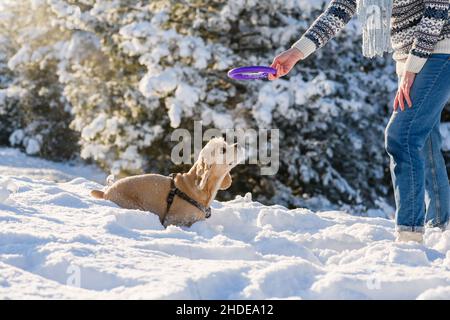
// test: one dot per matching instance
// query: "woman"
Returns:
(419, 32)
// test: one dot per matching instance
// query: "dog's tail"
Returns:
(98, 194)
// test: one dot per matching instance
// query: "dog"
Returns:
(185, 198)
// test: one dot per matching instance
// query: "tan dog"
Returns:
(149, 192)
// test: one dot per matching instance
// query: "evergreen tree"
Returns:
(37, 116)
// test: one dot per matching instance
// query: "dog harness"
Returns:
(174, 191)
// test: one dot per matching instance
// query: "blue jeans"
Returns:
(413, 142)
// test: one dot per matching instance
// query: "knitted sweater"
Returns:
(418, 29)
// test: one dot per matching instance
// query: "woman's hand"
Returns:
(285, 61)
(404, 90)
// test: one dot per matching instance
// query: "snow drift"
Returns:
(58, 242)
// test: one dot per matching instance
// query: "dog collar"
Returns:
(174, 191)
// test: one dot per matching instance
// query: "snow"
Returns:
(21, 56)
(437, 293)
(96, 126)
(445, 133)
(161, 84)
(58, 242)
(32, 146)
(14, 163)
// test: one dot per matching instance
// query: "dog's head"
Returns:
(215, 162)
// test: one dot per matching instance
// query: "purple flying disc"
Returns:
(251, 73)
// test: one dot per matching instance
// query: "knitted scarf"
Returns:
(375, 17)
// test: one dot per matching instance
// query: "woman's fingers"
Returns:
(400, 97)
(407, 97)
(275, 62)
(284, 70)
(278, 67)
(407, 89)
(396, 102)
(408, 80)
(284, 63)
(271, 77)
(404, 92)
(280, 71)
(401, 100)
(274, 65)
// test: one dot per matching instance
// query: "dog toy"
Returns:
(251, 73)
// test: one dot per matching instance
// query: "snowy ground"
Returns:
(14, 163)
(54, 236)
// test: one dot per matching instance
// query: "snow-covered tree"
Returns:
(37, 115)
(8, 115)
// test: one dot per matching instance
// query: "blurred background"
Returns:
(107, 82)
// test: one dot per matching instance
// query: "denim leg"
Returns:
(437, 188)
(404, 177)
(406, 137)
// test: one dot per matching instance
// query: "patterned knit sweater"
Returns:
(418, 29)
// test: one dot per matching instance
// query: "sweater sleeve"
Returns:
(327, 25)
(427, 33)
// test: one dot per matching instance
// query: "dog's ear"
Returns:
(226, 182)
(203, 172)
